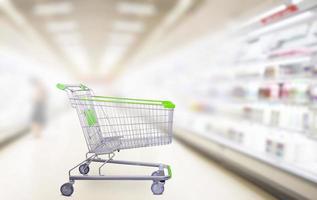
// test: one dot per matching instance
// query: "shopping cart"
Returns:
(111, 124)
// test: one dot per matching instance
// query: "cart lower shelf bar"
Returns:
(140, 178)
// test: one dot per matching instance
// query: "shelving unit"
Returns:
(265, 104)
(268, 95)
(255, 94)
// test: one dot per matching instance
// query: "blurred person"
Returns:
(39, 107)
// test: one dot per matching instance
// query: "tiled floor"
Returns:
(35, 168)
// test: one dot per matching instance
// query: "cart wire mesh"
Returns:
(111, 123)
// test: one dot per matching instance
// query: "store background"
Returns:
(241, 73)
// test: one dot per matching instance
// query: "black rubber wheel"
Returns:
(157, 188)
(67, 189)
(84, 169)
(158, 173)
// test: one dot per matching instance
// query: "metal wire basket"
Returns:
(113, 123)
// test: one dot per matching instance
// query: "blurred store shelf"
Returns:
(9, 136)
(266, 172)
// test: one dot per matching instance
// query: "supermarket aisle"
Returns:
(35, 169)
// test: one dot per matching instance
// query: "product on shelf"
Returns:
(312, 93)
(289, 69)
(296, 70)
(201, 107)
(235, 136)
(283, 92)
(270, 72)
(279, 152)
(264, 93)
(253, 114)
(314, 70)
(275, 118)
(298, 93)
(247, 112)
(275, 148)
(313, 123)
(305, 121)
(269, 146)
(239, 92)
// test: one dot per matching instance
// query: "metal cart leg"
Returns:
(158, 177)
(105, 162)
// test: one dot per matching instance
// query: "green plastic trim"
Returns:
(166, 104)
(90, 117)
(169, 170)
(132, 99)
(118, 101)
(61, 86)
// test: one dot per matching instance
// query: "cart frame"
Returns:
(158, 177)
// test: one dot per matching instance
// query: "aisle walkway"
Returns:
(35, 168)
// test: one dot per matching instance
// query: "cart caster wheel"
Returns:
(158, 173)
(84, 169)
(67, 189)
(157, 188)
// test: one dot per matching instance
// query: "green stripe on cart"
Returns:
(90, 117)
(169, 170)
(166, 104)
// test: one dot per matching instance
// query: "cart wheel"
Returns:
(84, 169)
(158, 173)
(67, 189)
(157, 188)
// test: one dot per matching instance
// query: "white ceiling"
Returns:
(98, 36)
(93, 35)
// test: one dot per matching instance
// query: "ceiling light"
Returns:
(77, 56)
(283, 23)
(61, 26)
(136, 8)
(53, 8)
(121, 38)
(112, 56)
(129, 26)
(68, 38)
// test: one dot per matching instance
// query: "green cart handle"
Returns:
(62, 86)
(169, 170)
